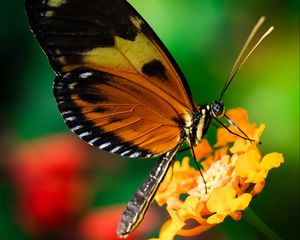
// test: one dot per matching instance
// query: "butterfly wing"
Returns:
(117, 86)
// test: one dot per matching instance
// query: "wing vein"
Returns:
(147, 89)
(148, 79)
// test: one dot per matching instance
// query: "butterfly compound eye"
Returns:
(218, 109)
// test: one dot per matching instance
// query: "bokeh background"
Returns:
(53, 186)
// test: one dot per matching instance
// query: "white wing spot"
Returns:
(125, 153)
(67, 112)
(85, 75)
(70, 119)
(72, 85)
(48, 14)
(84, 134)
(56, 3)
(94, 140)
(135, 155)
(104, 145)
(57, 52)
(76, 128)
(116, 149)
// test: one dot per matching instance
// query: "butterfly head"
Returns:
(217, 109)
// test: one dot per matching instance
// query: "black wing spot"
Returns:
(115, 119)
(154, 68)
(129, 32)
(91, 94)
(179, 121)
(99, 109)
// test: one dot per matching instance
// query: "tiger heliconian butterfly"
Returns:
(119, 89)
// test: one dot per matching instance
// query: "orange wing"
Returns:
(117, 86)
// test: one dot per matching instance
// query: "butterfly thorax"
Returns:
(202, 119)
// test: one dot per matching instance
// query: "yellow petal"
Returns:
(248, 164)
(169, 230)
(242, 202)
(271, 160)
(220, 199)
(255, 170)
(185, 164)
(216, 218)
(258, 132)
(189, 207)
(223, 202)
(240, 145)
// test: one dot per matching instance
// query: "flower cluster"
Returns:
(54, 181)
(234, 173)
(52, 184)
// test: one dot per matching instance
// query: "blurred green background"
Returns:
(204, 37)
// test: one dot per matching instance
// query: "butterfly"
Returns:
(118, 87)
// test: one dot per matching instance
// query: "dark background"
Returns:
(204, 38)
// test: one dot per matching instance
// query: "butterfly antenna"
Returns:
(238, 64)
(248, 41)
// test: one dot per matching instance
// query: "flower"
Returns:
(234, 172)
(52, 182)
(101, 223)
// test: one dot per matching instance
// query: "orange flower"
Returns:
(234, 173)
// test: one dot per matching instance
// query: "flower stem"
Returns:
(255, 221)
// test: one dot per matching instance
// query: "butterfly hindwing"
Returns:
(117, 86)
(92, 104)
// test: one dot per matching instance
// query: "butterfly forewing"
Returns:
(117, 86)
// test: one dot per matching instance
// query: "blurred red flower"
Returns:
(53, 183)
(101, 224)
